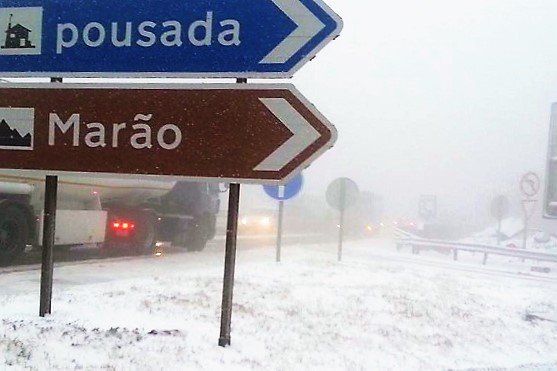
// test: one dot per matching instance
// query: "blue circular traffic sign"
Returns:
(286, 191)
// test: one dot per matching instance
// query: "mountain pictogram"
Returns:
(12, 138)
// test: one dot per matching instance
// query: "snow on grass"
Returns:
(369, 312)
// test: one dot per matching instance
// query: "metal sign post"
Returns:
(530, 185)
(283, 193)
(428, 206)
(49, 234)
(229, 265)
(230, 259)
(528, 208)
(342, 204)
(499, 209)
(49, 223)
(342, 193)
(279, 230)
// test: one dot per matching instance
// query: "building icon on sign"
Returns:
(17, 36)
(21, 31)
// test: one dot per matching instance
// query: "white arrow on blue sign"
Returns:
(154, 38)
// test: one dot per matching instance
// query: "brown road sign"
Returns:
(255, 133)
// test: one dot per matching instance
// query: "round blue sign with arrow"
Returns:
(287, 191)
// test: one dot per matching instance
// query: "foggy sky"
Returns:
(436, 97)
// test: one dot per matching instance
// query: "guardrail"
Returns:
(418, 244)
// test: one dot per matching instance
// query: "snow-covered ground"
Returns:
(378, 309)
(512, 236)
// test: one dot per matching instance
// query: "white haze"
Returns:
(436, 97)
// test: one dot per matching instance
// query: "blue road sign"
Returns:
(192, 38)
(287, 191)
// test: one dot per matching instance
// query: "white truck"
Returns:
(112, 212)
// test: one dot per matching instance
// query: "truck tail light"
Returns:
(123, 226)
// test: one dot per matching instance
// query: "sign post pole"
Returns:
(341, 223)
(525, 234)
(279, 229)
(230, 259)
(528, 208)
(282, 193)
(49, 223)
(341, 194)
(229, 264)
(530, 185)
(499, 209)
(49, 233)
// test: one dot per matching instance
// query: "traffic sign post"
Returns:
(230, 259)
(229, 265)
(282, 193)
(499, 209)
(202, 38)
(231, 132)
(530, 185)
(342, 193)
(49, 233)
(428, 206)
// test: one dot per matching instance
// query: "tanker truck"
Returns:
(113, 213)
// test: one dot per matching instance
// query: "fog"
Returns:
(436, 97)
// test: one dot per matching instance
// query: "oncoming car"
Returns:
(260, 221)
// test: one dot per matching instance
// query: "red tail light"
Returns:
(123, 226)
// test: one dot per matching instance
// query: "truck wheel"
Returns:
(13, 233)
(198, 235)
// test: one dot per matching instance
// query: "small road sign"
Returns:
(282, 193)
(234, 132)
(530, 184)
(287, 191)
(201, 38)
(428, 206)
(342, 193)
(500, 207)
